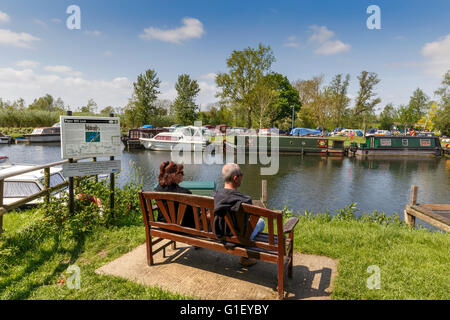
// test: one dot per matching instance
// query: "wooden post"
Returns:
(264, 192)
(71, 192)
(94, 159)
(111, 185)
(47, 184)
(1, 205)
(410, 219)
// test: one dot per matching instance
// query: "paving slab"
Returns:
(211, 275)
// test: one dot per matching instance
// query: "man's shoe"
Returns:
(247, 262)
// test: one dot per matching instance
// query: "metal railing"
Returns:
(46, 192)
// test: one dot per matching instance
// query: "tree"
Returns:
(419, 103)
(442, 121)
(265, 94)
(145, 95)
(309, 92)
(387, 117)
(184, 104)
(45, 103)
(366, 100)
(90, 107)
(287, 98)
(107, 110)
(338, 90)
(246, 68)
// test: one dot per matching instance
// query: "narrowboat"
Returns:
(288, 144)
(398, 146)
(5, 139)
(47, 134)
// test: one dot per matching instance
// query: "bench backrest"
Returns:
(202, 209)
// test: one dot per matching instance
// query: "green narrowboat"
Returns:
(399, 146)
(288, 144)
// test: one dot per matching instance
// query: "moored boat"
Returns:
(399, 146)
(132, 140)
(289, 144)
(46, 134)
(189, 138)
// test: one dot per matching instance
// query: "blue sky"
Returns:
(120, 39)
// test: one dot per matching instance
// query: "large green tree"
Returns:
(387, 117)
(339, 100)
(184, 105)
(287, 98)
(366, 99)
(47, 103)
(146, 90)
(419, 104)
(442, 121)
(245, 69)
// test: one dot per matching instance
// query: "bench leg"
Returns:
(280, 277)
(149, 251)
(291, 255)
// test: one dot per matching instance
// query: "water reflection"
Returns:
(303, 182)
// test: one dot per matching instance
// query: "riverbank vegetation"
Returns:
(251, 94)
(40, 244)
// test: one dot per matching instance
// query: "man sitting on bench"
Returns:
(228, 200)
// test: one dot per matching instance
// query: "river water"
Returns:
(302, 182)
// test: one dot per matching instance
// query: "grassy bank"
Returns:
(35, 254)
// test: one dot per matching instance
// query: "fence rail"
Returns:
(46, 192)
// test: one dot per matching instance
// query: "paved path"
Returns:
(211, 275)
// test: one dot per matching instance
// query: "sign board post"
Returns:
(111, 184)
(86, 137)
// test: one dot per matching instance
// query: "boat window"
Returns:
(37, 131)
(56, 179)
(18, 189)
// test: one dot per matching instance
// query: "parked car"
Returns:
(382, 133)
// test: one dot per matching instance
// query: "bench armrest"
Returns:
(290, 224)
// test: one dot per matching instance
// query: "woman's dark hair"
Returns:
(168, 172)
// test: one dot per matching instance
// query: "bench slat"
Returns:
(171, 206)
(208, 244)
(181, 211)
(163, 210)
(195, 211)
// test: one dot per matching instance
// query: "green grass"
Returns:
(413, 263)
(36, 268)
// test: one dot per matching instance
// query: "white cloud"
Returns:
(66, 70)
(209, 76)
(74, 90)
(107, 53)
(94, 33)
(27, 64)
(322, 40)
(192, 28)
(41, 23)
(56, 20)
(4, 18)
(22, 39)
(437, 54)
(292, 42)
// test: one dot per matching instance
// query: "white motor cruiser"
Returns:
(188, 138)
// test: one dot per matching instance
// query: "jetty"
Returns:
(437, 215)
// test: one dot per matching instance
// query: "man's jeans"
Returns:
(258, 228)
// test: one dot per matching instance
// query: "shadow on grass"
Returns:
(34, 264)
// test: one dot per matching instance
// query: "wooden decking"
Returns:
(437, 215)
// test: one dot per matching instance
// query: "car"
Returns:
(382, 133)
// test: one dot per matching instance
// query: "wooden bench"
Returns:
(268, 247)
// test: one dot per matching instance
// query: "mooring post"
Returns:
(111, 185)
(264, 192)
(410, 219)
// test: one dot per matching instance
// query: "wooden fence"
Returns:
(46, 192)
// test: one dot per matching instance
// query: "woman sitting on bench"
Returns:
(170, 175)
